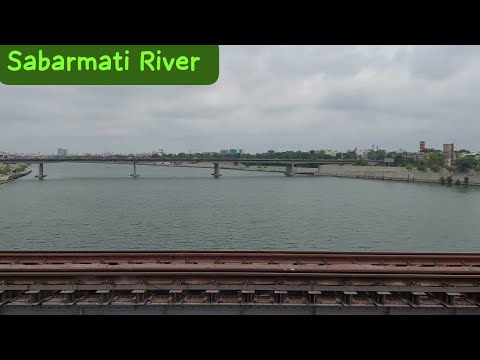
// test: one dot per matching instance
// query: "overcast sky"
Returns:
(267, 97)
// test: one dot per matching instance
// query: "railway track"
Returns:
(244, 257)
(232, 280)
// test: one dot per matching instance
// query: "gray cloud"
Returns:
(267, 97)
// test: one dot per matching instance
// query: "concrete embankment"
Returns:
(362, 172)
(19, 175)
(11, 177)
(396, 173)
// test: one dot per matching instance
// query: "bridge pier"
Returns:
(216, 170)
(134, 175)
(290, 171)
(40, 175)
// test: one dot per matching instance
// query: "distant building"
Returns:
(233, 152)
(62, 152)
(331, 152)
(448, 151)
(361, 153)
(418, 156)
(422, 145)
(223, 152)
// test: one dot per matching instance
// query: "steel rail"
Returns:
(243, 274)
(244, 257)
(256, 268)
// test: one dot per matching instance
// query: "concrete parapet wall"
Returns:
(395, 173)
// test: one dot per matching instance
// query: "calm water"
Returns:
(93, 207)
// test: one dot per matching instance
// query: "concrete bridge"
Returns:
(289, 163)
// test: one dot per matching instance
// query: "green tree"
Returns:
(435, 159)
(5, 170)
(449, 179)
(409, 166)
(457, 182)
(442, 180)
(465, 180)
(465, 163)
(20, 167)
(421, 168)
(321, 154)
(376, 155)
(351, 154)
(431, 150)
(361, 162)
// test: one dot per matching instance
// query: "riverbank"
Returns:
(11, 177)
(397, 174)
(19, 175)
(353, 171)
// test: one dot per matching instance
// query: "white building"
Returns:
(62, 152)
(331, 152)
(362, 153)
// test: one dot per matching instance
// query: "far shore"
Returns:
(353, 171)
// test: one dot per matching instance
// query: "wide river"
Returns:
(100, 207)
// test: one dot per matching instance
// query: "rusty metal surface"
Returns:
(261, 266)
(242, 257)
(231, 267)
(283, 280)
(335, 301)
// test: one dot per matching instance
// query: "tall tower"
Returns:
(448, 151)
(422, 145)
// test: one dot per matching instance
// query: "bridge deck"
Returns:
(73, 159)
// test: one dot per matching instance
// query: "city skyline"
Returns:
(267, 97)
(234, 151)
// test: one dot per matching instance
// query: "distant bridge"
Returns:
(290, 163)
(129, 159)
